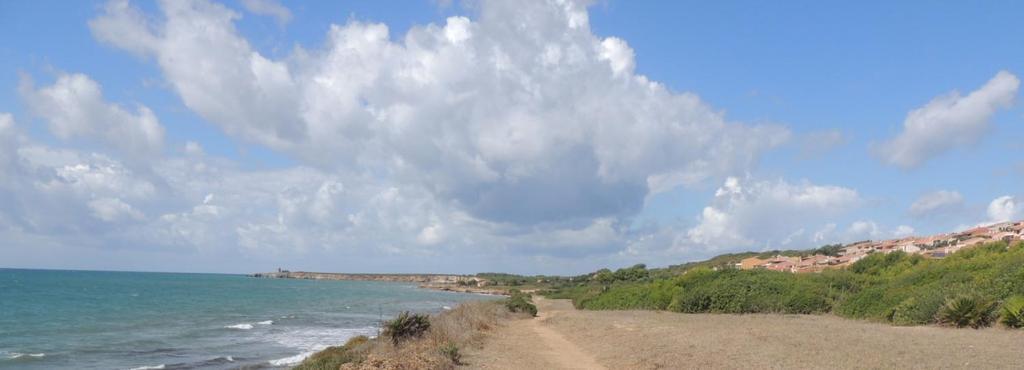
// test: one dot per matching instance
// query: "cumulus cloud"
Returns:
(902, 231)
(746, 214)
(113, 209)
(74, 108)
(863, 229)
(936, 202)
(1004, 208)
(521, 115)
(270, 8)
(948, 122)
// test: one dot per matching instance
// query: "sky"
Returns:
(541, 137)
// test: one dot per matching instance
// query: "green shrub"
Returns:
(406, 326)
(917, 310)
(450, 351)
(1012, 314)
(519, 302)
(332, 358)
(964, 310)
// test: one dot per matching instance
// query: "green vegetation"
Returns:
(520, 302)
(406, 326)
(451, 351)
(897, 288)
(333, 357)
(413, 341)
(964, 311)
(1013, 312)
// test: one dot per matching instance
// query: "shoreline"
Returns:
(464, 289)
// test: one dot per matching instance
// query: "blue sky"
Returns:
(534, 138)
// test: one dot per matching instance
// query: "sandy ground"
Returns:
(564, 338)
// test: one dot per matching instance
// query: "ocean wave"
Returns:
(16, 355)
(291, 360)
(239, 326)
(155, 367)
(248, 325)
(311, 340)
(315, 339)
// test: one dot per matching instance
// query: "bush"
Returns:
(963, 311)
(1013, 312)
(917, 310)
(406, 326)
(519, 302)
(451, 352)
(332, 358)
(750, 291)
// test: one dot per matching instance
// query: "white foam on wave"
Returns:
(292, 360)
(155, 367)
(249, 326)
(16, 355)
(312, 340)
(239, 326)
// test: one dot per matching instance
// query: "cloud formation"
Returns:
(521, 115)
(1004, 208)
(937, 202)
(74, 108)
(948, 122)
(762, 214)
(269, 7)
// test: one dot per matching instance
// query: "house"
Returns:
(782, 263)
(908, 248)
(975, 233)
(1006, 237)
(972, 242)
(750, 263)
(940, 252)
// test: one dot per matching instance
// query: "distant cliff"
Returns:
(410, 278)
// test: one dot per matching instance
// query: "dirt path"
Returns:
(532, 344)
(564, 338)
(561, 351)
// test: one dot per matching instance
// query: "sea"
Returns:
(53, 319)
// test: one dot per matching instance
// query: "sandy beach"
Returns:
(564, 338)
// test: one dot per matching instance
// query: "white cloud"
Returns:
(269, 7)
(521, 115)
(113, 209)
(936, 202)
(765, 214)
(864, 229)
(74, 108)
(902, 231)
(948, 122)
(1004, 208)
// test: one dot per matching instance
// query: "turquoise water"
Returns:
(132, 320)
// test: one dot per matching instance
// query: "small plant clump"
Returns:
(1013, 312)
(451, 351)
(520, 302)
(406, 326)
(964, 311)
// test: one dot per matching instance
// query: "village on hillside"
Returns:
(936, 246)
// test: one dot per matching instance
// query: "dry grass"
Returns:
(450, 333)
(663, 340)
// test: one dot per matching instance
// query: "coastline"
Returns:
(465, 289)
